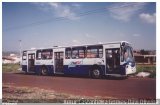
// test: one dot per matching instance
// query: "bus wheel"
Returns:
(44, 71)
(95, 73)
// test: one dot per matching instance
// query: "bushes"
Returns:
(10, 67)
(147, 68)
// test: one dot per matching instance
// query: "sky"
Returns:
(48, 24)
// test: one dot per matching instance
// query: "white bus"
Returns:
(96, 60)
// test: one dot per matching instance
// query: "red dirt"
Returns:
(127, 88)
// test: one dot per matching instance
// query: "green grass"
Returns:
(10, 67)
(147, 68)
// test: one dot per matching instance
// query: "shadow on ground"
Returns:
(76, 76)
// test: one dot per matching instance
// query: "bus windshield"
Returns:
(127, 53)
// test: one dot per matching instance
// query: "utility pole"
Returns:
(20, 48)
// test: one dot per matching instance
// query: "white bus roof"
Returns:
(55, 47)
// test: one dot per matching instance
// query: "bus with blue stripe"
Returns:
(94, 60)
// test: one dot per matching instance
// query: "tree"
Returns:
(144, 52)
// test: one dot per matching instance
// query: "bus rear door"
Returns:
(31, 62)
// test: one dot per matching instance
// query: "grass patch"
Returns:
(10, 67)
(147, 68)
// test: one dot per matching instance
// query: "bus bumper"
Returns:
(130, 69)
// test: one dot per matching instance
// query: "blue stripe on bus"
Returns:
(85, 69)
(24, 68)
(49, 68)
(38, 68)
(78, 70)
(122, 70)
(81, 69)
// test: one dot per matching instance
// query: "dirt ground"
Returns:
(19, 87)
(14, 94)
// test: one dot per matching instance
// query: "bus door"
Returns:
(112, 60)
(31, 61)
(58, 62)
(24, 61)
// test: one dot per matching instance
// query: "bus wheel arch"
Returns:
(95, 71)
(44, 70)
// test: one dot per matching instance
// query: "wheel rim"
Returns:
(96, 73)
(44, 71)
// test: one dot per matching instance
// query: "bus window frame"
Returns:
(77, 49)
(37, 54)
(97, 47)
(68, 55)
(42, 57)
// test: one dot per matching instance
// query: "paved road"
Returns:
(126, 88)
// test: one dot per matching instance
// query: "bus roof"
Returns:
(55, 47)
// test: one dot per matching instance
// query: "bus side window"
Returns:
(82, 51)
(100, 52)
(88, 53)
(78, 52)
(74, 53)
(38, 54)
(94, 51)
(47, 54)
(68, 53)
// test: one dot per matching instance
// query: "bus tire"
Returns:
(44, 70)
(96, 73)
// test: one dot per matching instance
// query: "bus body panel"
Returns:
(83, 66)
(50, 69)
(82, 70)
(24, 65)
(44, 63)
(24, 68)
(116, 45)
